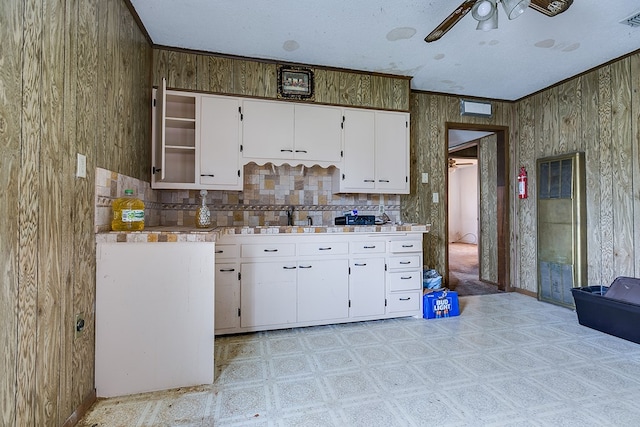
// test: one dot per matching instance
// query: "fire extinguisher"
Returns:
(522, 183)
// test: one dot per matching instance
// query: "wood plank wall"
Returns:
(75, 79)
(488, 241)
(598, 113)
(430, 114)
(239, 76)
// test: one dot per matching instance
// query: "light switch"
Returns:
(425, 177)
(81, 169)
(436, 197)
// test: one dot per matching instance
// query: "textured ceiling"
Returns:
(521, 57)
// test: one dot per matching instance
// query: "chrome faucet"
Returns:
(290, 215)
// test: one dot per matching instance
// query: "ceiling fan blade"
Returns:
(450, 21)
(550, 7)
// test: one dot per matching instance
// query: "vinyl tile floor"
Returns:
(507, 360)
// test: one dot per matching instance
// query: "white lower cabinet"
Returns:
(404, 276)
(366, 287)
(303, 279)
(227, 299)
(323, 290)
(268, 293)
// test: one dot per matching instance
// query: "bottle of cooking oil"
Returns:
(203, 215)
(128, 213)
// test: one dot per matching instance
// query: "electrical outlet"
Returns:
(79, 324)
(425, 178)
(380, 208)
(436, 197)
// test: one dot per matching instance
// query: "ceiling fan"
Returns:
(486, 13)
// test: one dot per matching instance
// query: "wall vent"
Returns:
(632, 21)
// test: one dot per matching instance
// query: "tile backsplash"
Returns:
(268, 193)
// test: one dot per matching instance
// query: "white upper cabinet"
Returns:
(392, 152)
(358, 171)
(196, 141)
(175, 135)
(376, 153)
(318, 133)
(267, 129)
(220, 143)
(202, 141)
(286, 132)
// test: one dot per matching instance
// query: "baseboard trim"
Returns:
(81, 410)
(525, 292)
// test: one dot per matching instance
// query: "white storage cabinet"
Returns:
(154, 316)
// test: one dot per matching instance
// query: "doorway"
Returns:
(477, 226)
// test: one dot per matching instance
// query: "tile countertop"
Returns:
(190, 234)
(386, 228)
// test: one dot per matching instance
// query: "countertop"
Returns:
(192, 234)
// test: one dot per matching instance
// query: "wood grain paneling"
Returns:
(430, 116)
(75, 79)
(593, 113)
(525, 271)
(72, 34)
(240, 76)
(9, 169)
(606, 176)
(93, 81)
(635, 155)
(590, 144)
(488, 241)
(622, 171)
(51, 266)
(11, 16)
(28, 209)
(327, 86)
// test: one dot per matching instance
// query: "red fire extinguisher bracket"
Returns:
(522, 183)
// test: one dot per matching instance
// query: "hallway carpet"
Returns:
(507, 360)
(464, 270)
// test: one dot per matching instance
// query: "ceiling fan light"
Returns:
(515, 8)
(488, 24)
(484, 9)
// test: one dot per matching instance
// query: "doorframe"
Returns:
(502, 195)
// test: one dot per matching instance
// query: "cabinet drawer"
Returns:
(268, 250)
(405, 281)
(399, 246)
(405, 301)
(371, 247)
(331, 248)
(224, 252)
(409, 261)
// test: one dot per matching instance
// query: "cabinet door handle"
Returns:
(207, 174)
(270, 250)
(369, 180)
(360, 265)
(305, 266)
(219, 251)
(226, 270)
(325, 249)
(286, 151)
(405, 299)
(406, 277)
(289, 268)
(407, 246)
(383, 180)
(405, 262)
(368, 247)
(301, 151)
